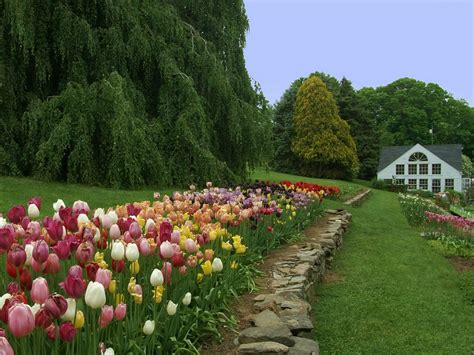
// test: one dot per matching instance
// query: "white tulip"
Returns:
(71, 310)
(171, 308)
(109, 351)
(35, 308)
(5, 297)
(187, 299)
(217, 265)
(95, 295)
(3, 222)
(156, 278)
(113, 216)
(114, 231)
(58, 204)
(33, 211)
(132, 252)
(148, 223)
(82, 219)
(99, 213)
(118, 251)
(97, 235)
(149, 327)
(29, 254)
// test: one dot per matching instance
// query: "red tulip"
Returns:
(103, 276)
(85, 253)
(39, 290)
(106, 316)
(178, 260)
(91, 270)
(118, 266)
(43, 319)
(41, 251)
(62, 249)
(52, 265)
(25, 279)
(165, 231)
(16, 255)
(67, 331)
(120, 311)
(16, 214)
(55, 305)
(7, 235)
(73, 241)
(13, 288)
(20, 320)
(11, 270)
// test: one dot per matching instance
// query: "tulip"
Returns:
(144, 247)
(5, 347)
(183, 269)
(52, 265)
(120, 311)
(58, 205)
(62, 249)
(4, 298)
(132, 252)
(29, 253)
(67, 331)
(40, 251)
(165, 231)
(156, 278)
(16, 214)
(217, 265)
(3, 222)
(79, 320)
(135, 230)
(175, 237)
(109, 351)
(206, 267)
(103, 276)
(39, 290)
(20, 320)
(70, 311)
(36, 266)
(25, 279)
(148, 223)
(208, 254)
(13, 288)
(55, 229)
(135, 267)
(166, 271)
(149, 327)
(118, 266)
(91, 270)
(118, 251)
(52, 331)
(187, 299)
(114, 231)
(56, 305)
(74, 285)
(33, 230)
(192, 261)
(113, 216)
(80, 207)
(190, 246)
(43, 319)
(35, 308)
(75, 271)
(95, 295)
(85, 253)
(16, 255)
(7, 235)
(166, 250)
(171, 308)
(33, 211)
(99, 213)
(106, 316)
(82, 219)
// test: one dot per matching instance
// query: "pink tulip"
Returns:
(135, 230)
(41, 251)
(190, 246)
(25, 222)
(62, 249)
(127, 237)
(103, 276)
(7, 235)
(5, 347)
(16, 214)
(106, 316)
(79, 207)
(21, 320)
(183, 270)
(52, 265)
(39, 290)
(67, 331)
(151, 231)
(175, 237)
(120, 311)
(192, 261)
(52, 332)
(75, 271)
(16, 255)
(55, 305)
(85, 253)
(114, 231)
(166, 250)
(36, 266)
(166, 270)
(33, 230)
(144, 247)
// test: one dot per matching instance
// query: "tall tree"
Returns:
(353, 109)
(119, 94)
(322, 139)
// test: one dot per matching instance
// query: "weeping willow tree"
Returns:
(127, 92)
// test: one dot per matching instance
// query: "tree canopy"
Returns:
(119, 94)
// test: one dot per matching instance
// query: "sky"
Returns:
(370, 42)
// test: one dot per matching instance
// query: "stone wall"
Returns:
(284, 323)
(357, 200)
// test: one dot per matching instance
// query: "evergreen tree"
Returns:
(127, 93)
(322, 139)
(352, 109)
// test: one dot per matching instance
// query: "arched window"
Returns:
(418, 157)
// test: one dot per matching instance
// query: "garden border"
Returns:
(357, 200)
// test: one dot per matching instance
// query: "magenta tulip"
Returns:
(62, 249)
(106, 316)
(35, 201)
(74, 286)
(165, 231)
(135, 230)
(16, 214)
(16, 255)
(43, 319)
(21, 320)
(67, 332)
(41, 251)
(25, 222)
(120, 311)
(13, 288)
(103, 276)
(7, 235)
(54, 229)
(39, 290)
(55, 305)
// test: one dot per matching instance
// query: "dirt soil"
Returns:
(461, 264)
(243, 307)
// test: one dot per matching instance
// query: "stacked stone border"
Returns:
(357, 200)
(284, 324)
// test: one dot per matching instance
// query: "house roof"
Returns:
(450, 153)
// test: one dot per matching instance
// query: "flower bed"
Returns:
(147, 277)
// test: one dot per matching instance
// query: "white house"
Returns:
(422, 167)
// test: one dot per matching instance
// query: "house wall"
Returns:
(447, 171)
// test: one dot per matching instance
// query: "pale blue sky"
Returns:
(370, 42)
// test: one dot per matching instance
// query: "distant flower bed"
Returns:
(314, 188)
(145, 277)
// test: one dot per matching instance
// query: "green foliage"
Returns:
(322, 139)
(467, 166)
(125, 95)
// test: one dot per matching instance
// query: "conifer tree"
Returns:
(322, 139)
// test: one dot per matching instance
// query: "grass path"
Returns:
(397, 294)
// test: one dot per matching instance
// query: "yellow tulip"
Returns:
(200, 277)
(135, 267)
(234, 265)
(207, 267)
(131, 285)
(99, 257)
(119, 298)
(79, 320)
(240, 249)
(137, 298)
(237, 239)
(213, 235)
(226, 246)
(113, 286)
